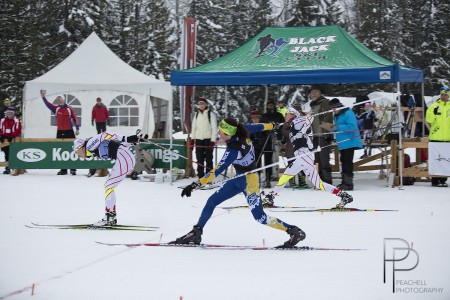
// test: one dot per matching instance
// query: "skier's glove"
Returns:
(276, 126)
(10, 139)
(187, 191)
(435, 111)
(133, 139)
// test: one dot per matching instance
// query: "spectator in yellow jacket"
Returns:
(438, 115)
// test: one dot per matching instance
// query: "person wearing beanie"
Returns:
(204, 136)
(6, 105)
(367, 119)
(272, 149)
(348, 140)
(438, 116)
(65, 120)
(299, 127)
(281, 108)
(321, 105)
(10, 128)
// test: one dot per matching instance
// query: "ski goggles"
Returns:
(445, 90)
(227, 128)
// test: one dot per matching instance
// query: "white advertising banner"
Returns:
(439, 158)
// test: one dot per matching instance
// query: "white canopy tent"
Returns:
(92, 71)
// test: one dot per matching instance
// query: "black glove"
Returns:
(276, 126)
(107, 122)
(187, 191)
(2, 139)
(92, 122)
(10, 139)
(436, 110)
(135, 139)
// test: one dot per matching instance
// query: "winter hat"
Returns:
(316, 87)
(293, 111)
(99, 99)
(78, 143)
(62, 96)
(255, 113)
(9, 110)
(270, 102)
(445, 91)
(7, 102)
(297, 106)
(335, 103)
(202, 100)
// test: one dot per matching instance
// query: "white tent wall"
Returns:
(37, 117)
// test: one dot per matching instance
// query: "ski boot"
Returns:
(268, 200)
(108, 220)
(73, 172)
(302, 182)
(296, 234)
(345, 199)
(192, 237)
(62, 172)
(7, 171)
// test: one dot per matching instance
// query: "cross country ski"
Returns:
(93, 227)
(336, 209)
(229, 247)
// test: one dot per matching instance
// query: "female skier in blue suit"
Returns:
(240, 153)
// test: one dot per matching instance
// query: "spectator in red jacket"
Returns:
(100, 116)
(10, 128)
(65, 120)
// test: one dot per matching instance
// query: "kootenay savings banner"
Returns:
(59, 155)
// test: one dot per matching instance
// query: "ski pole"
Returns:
(274, 164)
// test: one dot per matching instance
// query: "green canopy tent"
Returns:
(299, 55)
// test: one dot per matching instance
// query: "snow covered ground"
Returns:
(68, 264)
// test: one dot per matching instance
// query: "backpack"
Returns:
(209, 115)
(407, 164)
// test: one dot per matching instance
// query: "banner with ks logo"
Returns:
(59, 155)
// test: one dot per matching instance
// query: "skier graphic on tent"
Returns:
(267, 43)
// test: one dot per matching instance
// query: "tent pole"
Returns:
(423, 108)
(400, 157)
(226, 102)
(266, 94)
(169, 129)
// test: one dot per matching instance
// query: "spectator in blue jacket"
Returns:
(348, 140)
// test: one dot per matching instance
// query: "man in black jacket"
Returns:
(271, 152)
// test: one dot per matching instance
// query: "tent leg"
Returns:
(400, 152)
